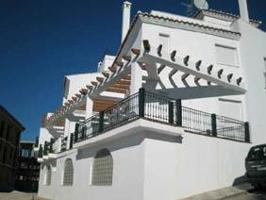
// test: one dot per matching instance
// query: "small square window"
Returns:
(226, 55)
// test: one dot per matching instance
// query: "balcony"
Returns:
(155, 108)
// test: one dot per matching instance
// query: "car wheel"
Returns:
(258, 186)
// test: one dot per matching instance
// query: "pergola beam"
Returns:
(221, 80)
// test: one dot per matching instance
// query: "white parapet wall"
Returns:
(148, 164)
(197, 164)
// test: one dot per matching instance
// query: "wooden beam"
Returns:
(106, 74)
(78, 95)
(89, 87)
(112, 69)
(74, 98)
(94, 83)
(103, 104)
(112, 89)
(119, 63)
(123, 82)
(82, 107)
(70, 101)
(83, 91)
(126, 87)
(100, 79)
(135, 51)
(128, 77)
(60, 123)
(100, 104)
(99, 99)
(127, 58)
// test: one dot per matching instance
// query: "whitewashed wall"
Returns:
(156, 168)
(128, 158)
(198, 46)
(252, 53)
(198, 164)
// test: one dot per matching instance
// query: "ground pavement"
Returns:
(19, 196)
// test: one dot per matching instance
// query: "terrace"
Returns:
(155, 108)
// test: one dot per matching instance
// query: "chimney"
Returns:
(243, 9)
(125, 19)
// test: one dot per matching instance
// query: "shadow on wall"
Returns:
(125, 142)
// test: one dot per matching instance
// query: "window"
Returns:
(102, 173)
(48, 175)
(68, 172)
(231, 108)
(257, 153)
(25, 153)
(226, 55)
(2, 128)
(164, 40)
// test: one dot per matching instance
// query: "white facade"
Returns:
(154, 160)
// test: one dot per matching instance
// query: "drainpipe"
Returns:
(125, 19)
(243, 10)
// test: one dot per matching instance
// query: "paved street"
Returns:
(250, 195)
(18, 196)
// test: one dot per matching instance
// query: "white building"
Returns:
(122, 132)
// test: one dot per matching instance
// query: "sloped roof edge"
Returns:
(194, 25)
(223, 15)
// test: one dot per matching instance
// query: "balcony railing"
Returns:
(161, 109)
(158, 108)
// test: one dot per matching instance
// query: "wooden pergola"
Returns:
(115, 80)
(198, 80)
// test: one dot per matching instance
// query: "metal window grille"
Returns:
(68, 172)
(102, 168)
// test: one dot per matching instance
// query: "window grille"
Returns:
(102, 168)
(68, 172)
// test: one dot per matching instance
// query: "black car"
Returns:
(256, 166)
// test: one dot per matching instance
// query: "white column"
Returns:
(136, 78)
(243, 9)
(66, 129)
(89, 108)
(71, 129)
(125, 19)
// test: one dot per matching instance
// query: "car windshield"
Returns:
(257, 153)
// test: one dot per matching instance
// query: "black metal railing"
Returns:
(161, 109)
(196, 121)
(232, 128)
(63, 144)
(124, 111)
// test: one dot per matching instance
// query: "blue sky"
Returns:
(43, 40)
